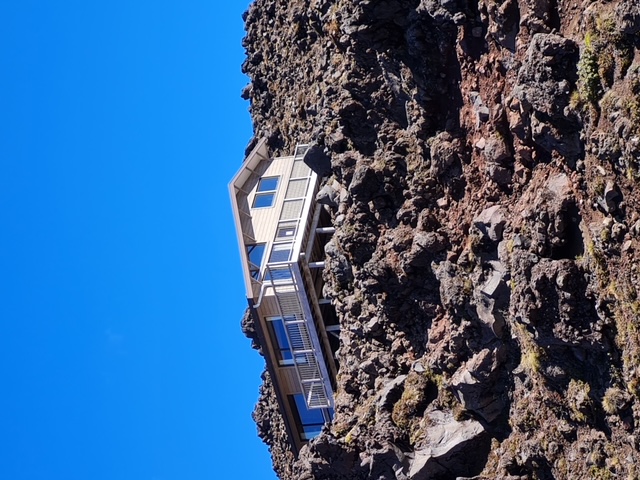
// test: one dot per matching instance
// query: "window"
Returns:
(286, 231)
(254, 255)
(266, 192)
(279, 337)
(309, 422)
(281, 252)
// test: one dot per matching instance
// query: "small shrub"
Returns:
(614, 401)
(579, 398)
(530, 360)
(589, 86)
(531, 354)
(412, 401)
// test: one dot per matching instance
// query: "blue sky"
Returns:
(121, 356)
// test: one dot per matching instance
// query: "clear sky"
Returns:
(121, 355)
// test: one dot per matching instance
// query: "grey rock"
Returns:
(627, 15)
(374, 326)
(495, 286)
(444, 152)
(559, 185)
(391, 392)
(496, 151)
(364, 183)
(448, 447)
(327, 196)
(430, 241)
(491, 222)
(490, 315)
(502, 176)
(425, 244)
(475, 387)
(504, 27)
(386, 463)
(338, 263)
(618, 231)
(543, 89)
(418, 367)
(611, 197)
(482, 114)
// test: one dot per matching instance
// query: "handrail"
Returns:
(301, 334)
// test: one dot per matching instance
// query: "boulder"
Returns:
(475, 384)
(451, 448)
(496, 150)
(327, 196)
(611, 197)
(490, 222)
(391, 392)
(364, 183)
(318, 160)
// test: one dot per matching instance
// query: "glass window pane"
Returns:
(308, 417)
(311, 432)
(281, 252)
(287, 358)
(263, 200)
(279, 274)
(255, 254)
(286, 231)
(281, 336)
(268, 184)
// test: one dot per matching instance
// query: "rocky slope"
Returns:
(485, 158)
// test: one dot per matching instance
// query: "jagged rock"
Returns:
(496, 151)
(444, 153)
(448, 451)
(543, 87)
(364, 184)
(387, 462)
(495, 286)
(327, 196)
(611, 197)
(432, 242)
(481, 110)
(248, 328)
(490, 222)
(340, 264)
(618, 231)
(318, 160)
(500, 175)
(391, 391)
(491, 315)
(627, 15)
(475, 387)
(504, 25)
